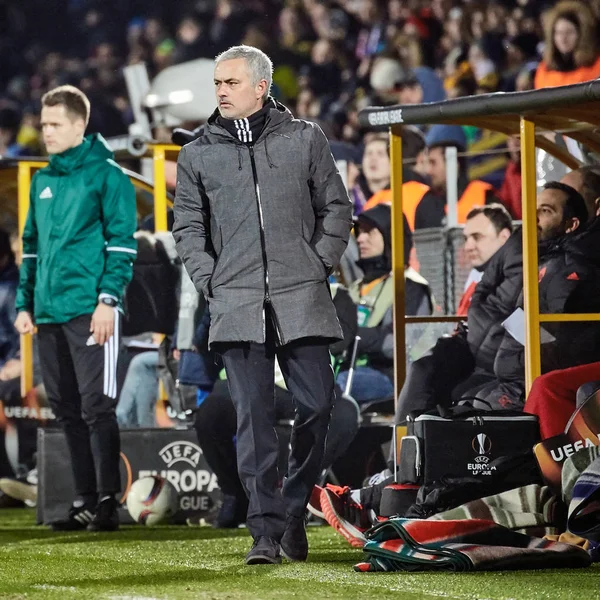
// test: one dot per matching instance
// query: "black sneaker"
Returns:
(264, 551)
(294, 545)
(79, 518)
(232, 513)
(107, 517)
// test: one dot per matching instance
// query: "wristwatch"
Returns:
(108, 301)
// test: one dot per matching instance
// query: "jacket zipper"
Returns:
(267, 298)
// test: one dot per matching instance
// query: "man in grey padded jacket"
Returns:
(261, 220)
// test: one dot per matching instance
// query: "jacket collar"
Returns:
(276, 117)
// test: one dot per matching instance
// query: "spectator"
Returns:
(561, 212)
(138, 397)
(468, 361)
(9, 279)
(470, 351)
(510, 192)
(486, 230)
(10, 122)
(373, 185)
(432, 210)
(191, 41)
(571, 54)
(398, 85)
(521, 53)
(373, 295)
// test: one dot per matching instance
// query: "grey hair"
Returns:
(259, 64)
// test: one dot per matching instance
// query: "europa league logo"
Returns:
(481, 444)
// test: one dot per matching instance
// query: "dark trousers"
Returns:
(307, 371)
(22, 434)
(81, 384)
(216, 424)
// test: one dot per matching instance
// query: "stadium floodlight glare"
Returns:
(172, 99)
(184, 92)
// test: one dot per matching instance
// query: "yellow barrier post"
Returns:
(24, 184)
(398, 263)
(160, 189)
(160, 213)
(530, 254)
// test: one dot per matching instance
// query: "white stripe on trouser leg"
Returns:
(105, 389)
(111, 351)
(115, 337)
(108, 366)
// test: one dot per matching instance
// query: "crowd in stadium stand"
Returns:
(332, 58)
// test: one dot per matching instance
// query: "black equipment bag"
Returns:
(463, 443)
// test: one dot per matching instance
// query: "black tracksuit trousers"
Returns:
(80, 378)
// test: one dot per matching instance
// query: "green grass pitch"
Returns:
(167, 562)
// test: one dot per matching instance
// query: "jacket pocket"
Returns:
(316, 259)
(218, 249)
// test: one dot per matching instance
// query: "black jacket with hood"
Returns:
(569, 282)
(494, 299)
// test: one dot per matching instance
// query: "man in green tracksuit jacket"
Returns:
(78, 252)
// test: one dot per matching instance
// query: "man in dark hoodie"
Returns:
(374, 297)
(569, 282)
(262, 219)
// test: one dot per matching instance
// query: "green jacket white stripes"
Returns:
(78, 240)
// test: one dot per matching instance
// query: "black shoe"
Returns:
(232, 513)
(107, 517)
(79, 518)
(294, 545)
(264, 551)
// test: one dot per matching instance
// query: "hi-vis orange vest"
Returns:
(544, 78)
(412, 194)
(474, 195)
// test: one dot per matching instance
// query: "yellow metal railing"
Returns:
(398, 263)
(160, 153)
(159, 157)
(533, 318)
(160, 186)
(24, 185)
(569, 318)
(533, 365)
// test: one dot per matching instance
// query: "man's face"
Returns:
(376, 162)
(236, 96)
(411, 94)
(550, 215)
(482, 240)
(60, 129)
(437, 169)
(370, 241)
